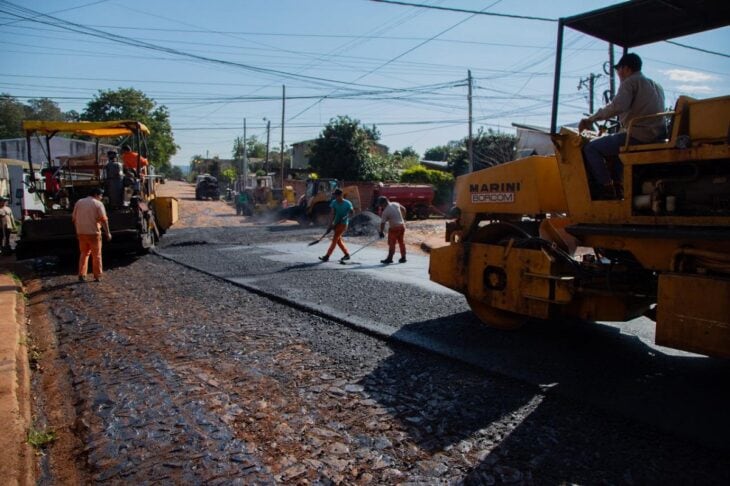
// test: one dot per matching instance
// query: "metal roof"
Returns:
(640, 22)
(94, 129)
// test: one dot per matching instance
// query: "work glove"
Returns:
(381, 234)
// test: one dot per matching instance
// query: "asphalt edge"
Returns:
(17, 465)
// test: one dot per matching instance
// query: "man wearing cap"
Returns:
(393, 214)
(89, 217)
(637, 96)
(341, 211)
(7, 225)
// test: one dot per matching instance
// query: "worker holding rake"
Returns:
(341, 211)
(393, 214)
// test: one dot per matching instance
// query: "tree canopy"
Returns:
(13, 112)
(254, 148)
(490, 148)
(443, 182)
(132, 104)
(408, 152)
(439, 153)
(343, 150)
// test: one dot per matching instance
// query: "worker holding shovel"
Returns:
(341, 211)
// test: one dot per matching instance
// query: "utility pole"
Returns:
(268, 132)
(612, 73)
(281, 153)
(245, 156)
(471, 140)
(590, 83)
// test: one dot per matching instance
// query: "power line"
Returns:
(60, 11)
(402, 54)
(476, 12)
(82, 29)
(721, 54)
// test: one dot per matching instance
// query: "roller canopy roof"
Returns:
(93, 129)
(640, 22)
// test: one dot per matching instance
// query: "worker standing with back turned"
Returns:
(89, 217)
(341, 210)
(393, 214)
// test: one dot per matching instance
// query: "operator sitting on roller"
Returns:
(637, 96)
(130, 161)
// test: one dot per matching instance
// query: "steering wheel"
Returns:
(611, 125)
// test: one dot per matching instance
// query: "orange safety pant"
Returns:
(337, 240)
(90, 245)
(395, 235)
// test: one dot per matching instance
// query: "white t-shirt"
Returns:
(392, 214)
(6, 218)
(88, 215)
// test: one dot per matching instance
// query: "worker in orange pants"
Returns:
(341, 212)
(89, 217)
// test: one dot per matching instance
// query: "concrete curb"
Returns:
(16, 465)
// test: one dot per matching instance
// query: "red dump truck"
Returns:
(416, 198)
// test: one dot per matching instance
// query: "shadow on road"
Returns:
(547, 387)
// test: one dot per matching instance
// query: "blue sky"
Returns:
(401, 68)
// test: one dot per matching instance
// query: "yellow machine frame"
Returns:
(530, 241)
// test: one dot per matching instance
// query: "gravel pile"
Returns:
(364, 224)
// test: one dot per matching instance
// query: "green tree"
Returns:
(439, 153)
(256, 149)
(11, 116)
(13, 112)
(44, 109)
(409, 152)
(379, 168)
(443, 182)
(175, 173)
(237, 151)
(490, 148)
(342, 150)
(132, 104)
(228, 174)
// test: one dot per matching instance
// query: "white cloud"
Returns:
(695, 88)
(687, 76)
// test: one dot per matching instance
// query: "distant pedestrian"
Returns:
(394, 215)
(341, 211)
(7, 225)
(243, 204)
(89, 218)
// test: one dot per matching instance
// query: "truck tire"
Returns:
(422, 212)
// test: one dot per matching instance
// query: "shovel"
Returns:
(321, 237)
